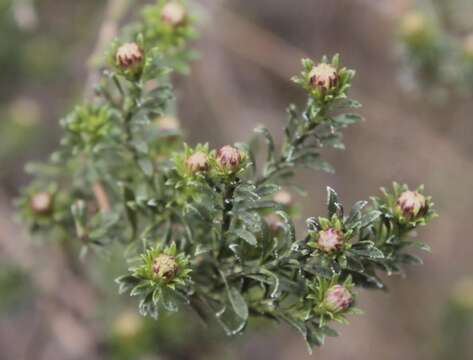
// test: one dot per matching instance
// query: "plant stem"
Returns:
(295, 142)
(227, 207)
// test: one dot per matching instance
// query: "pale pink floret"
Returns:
(329, 240)
(165, 266)
(323, 76)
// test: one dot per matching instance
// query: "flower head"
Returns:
(165, 266)
(229, 158)
(330, 240)
(411, 203)
(41, 203)
(129, 56)
(338, 298)
(198, 161)
(173, 13)
(323, 76)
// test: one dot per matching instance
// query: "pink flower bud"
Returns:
(173, 13)
(165, 266)
(323, 77)
(41, 203)
(338, 298)
(330, 240)
(283, 197)
(129, 55)
(229, 158)
(411, 203)
(198, 161)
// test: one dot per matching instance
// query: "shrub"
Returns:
(212, 229)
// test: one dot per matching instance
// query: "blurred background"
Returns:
(248, 51)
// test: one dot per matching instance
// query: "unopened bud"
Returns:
(41, 203)
(323, 77)
(283, 197)
(198, 161)
(229, 158)
(129, 56)
(169, 123)
(173, 13)
(274, 222)
(128, 324)
(165, 266)
(411, 203)
(330, 240)
(338, 298)
(413, 24)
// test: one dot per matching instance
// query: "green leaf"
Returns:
(410, 259)
(332, 202)
(422, 246)
(347, 119)
(168, 300)
(269, 140)
(371, 252)
(369, 218)
(246, 235)
(146, 166)
(319, 164)
(140, 145)
(126, 283)
(238, 302)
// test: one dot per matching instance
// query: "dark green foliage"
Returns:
(202, 228)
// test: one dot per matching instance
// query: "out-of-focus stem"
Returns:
(101, 196)
(115, 11)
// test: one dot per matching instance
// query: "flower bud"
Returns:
(274, 222)
(338, 298)
(411, 203)
(41, 203)
(330, 240)
(323, 77)
(165, 266)
(128, 324)
(168, 123)
(129, 56)
(173, 13)
(198, 161)
(229, 158)
(468, 46)
(283, 197)
(413, 24)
